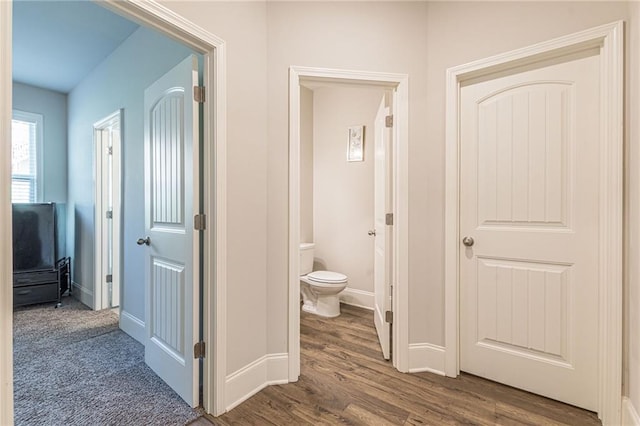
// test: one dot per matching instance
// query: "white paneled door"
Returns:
(529, 225)
(382, 206)
(171, 244)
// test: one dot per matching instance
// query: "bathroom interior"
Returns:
(337, 231)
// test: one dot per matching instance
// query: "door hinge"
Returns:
(109, 278)
(109, 214)
(199, 350)
(200, 222)
(388, 121)
(110, 150)
(199, 94)
(388, 219)
(388, 317)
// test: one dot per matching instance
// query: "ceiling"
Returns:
(57, 43)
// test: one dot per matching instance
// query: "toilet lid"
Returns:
(327, 277)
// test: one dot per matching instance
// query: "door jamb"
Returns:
(100, 301)
(609, 39)
(400, 326)
(164, 20)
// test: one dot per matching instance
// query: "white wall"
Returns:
(118, 82)
(306, 165)
(343, 191)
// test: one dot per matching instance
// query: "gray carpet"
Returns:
(74, 366)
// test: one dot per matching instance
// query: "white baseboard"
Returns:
(360, 298)
(271, 369)
(426, 357)
(83, 294)
(630, 416)
(133, 326)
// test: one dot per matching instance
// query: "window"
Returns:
(26, 152)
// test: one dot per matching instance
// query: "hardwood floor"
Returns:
(344, 380)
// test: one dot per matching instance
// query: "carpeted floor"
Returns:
(74, 366)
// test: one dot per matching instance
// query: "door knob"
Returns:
(143, 241)
(468, 241)
(372, 232)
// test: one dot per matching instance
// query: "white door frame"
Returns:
(609, 39)
(101, 290)
(399, 82)
(162, 19)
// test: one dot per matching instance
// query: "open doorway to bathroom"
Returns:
(346, 196)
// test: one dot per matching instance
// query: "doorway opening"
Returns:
(212, 48)
(107, 136)
(391, 298)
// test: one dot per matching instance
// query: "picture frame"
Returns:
(355, 143)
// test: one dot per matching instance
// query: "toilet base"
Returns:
(325, 306)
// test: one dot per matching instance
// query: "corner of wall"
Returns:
(133, 326)
(426, 357)
(271, 369)
(630, 416)
(83, 294)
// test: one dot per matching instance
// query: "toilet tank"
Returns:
(306, 258)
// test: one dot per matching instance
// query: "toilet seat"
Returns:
(327, 277)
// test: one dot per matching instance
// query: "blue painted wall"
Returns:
(118, 82)
(53, 108)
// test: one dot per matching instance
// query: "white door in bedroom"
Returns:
(529, 200)
(172, 247)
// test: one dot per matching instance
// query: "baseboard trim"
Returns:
(271, 369)
(360, 298)
(133, 326)
(426, 357)
(630, 416)
(85, 295)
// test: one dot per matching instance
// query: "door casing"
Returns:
(609, 39)
(100, 291)
(213, 48)
(400, 266)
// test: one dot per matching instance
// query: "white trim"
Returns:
(6, 249)
(359, 298)
(426, 357)
(400, 82)
(101, 290)
(83, 294)
(271, 369)
(133, 326)
(610, 40)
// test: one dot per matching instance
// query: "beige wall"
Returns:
(343, 191)
(306, 165)
(420, 39)
(380, 36)
(243, 27)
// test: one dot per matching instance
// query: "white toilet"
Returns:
(319, 289)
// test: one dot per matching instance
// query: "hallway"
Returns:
(344, 380)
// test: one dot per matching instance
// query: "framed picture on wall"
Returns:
(355, 144)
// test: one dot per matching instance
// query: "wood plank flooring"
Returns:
(345, 380)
